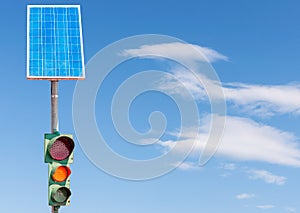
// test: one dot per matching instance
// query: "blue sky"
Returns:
(252, 45)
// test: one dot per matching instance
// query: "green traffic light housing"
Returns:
(59, 155)
(59, 184)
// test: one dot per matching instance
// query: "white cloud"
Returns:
(244, 196)
(264, 99)
(256, 99)
(290, 209)
(225, 175)
(188, 166)
(245, 139)
(268, 177)
(229, 166)
(184, 80)
(178, 51)
(265, 207)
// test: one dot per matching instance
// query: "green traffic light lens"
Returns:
(61, 195)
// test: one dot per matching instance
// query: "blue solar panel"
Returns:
(54, 42)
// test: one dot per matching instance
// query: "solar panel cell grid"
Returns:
(55, 43)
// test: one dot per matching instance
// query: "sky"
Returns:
(251, 46)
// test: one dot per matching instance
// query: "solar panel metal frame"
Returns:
(37, 77)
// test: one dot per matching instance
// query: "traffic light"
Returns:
(59, 154)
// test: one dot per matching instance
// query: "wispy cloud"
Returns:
(267, 177)
(245, 139)
(244, 196)
(265, 207)
(178, 51)
(264, 99)
(261, 100)
(183, 80)
(229, 166)
(188, 166)
(290, 209)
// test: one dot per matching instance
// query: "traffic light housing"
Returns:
(59, 184)
(59, 154)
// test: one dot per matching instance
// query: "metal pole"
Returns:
(55, 209)
(54, 119)
(54, 106)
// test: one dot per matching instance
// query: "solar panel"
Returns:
(54, 42)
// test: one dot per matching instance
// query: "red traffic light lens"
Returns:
(61, 148)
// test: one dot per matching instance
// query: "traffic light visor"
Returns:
(61, 148)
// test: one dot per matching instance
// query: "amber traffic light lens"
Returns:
(61, 173)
